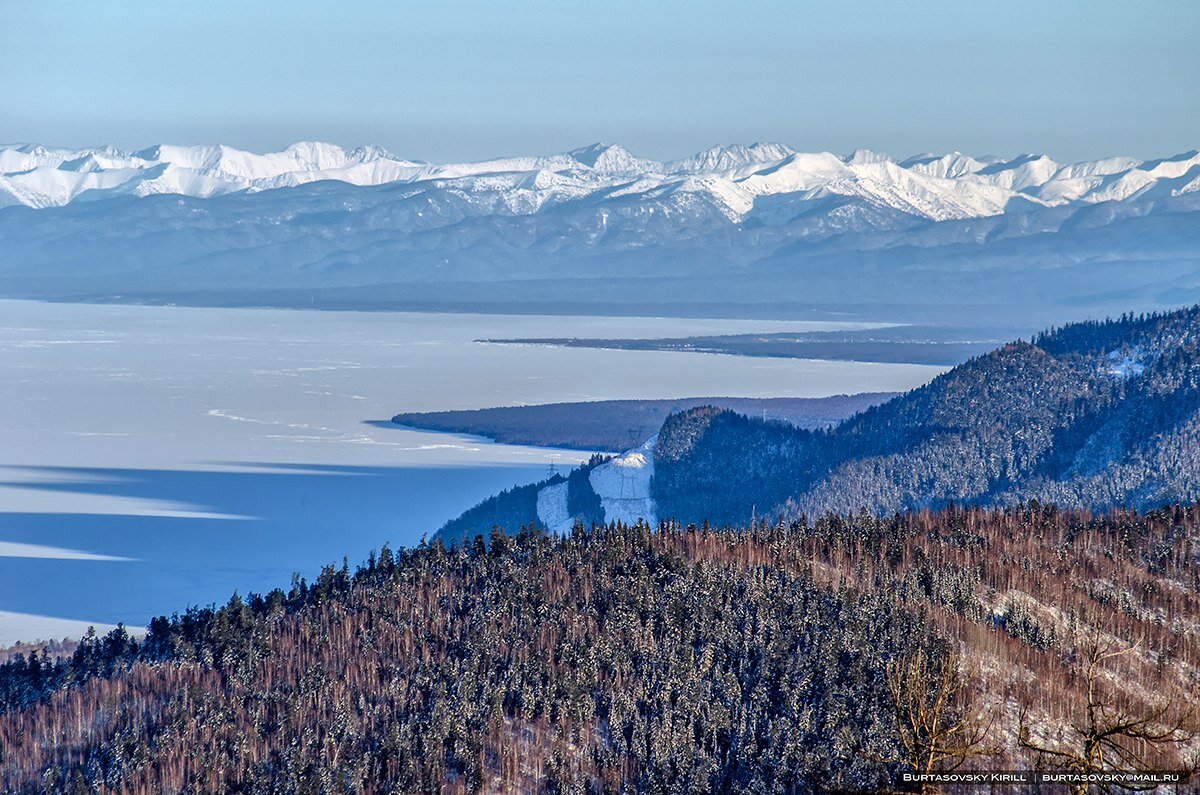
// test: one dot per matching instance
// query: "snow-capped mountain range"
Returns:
(736, 178)
(758, 230)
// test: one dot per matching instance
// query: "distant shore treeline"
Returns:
(872, 346)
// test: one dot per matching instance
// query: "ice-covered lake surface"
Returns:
(153, 458)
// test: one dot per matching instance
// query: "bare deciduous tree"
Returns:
(940, 725)
(1112, 731)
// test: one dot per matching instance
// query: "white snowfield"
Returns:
(623, 485)
(552, 509)
(937, 187)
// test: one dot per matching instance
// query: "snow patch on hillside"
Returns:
(623, 485)
(1126, 363)
(552, 509)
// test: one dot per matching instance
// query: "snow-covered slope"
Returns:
(623, 485)
(952, 186)
(552, 509)
(37, 176)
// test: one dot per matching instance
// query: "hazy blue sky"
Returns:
(457, 80)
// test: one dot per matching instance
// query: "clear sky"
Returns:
(452, 80)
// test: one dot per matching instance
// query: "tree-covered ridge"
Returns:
(616, 425)
(624, 659)
(1093, 415)
(517, 506)
(605, 660)
(510, 508)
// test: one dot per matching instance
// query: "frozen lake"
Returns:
(157, 457)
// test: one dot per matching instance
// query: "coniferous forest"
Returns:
(800, 656)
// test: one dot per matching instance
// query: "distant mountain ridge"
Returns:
(735, 231)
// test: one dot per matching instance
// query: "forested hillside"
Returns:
(1091, 415)
(1094, 415)
(515, 507)
(784, 658)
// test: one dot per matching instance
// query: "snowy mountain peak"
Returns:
(317, 156)
(951, 166)
(613, 159)
(366, 154)
(860, 156)
(725, 159)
